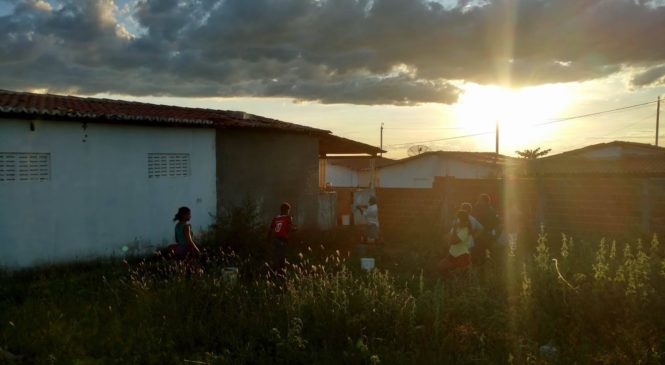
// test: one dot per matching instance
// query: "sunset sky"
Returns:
(429, 70)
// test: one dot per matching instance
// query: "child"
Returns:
(488, 218)
(185, 246)
(280, 227)
(459, 256)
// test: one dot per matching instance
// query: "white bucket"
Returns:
(230, 275)
(367, 263)
(346, 219)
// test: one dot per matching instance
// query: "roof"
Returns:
(359, 163)
(331, 144)
(484, 158)
(48, 106)
(622, 144)
(647, 165)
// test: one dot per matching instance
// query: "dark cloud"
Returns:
(331, 51)
(652, 76)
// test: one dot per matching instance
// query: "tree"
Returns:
(533, 154)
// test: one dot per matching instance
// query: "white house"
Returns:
(84, 177)
(352, 172)
(78, 190)
(419, 171)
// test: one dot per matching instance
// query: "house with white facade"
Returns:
(349, 172)
(419, 171)
(85, 177)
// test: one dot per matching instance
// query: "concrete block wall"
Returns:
(409, 211)
(611, 206)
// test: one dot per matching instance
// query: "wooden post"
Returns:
(657, 119)
(322, 172)
(497, 137)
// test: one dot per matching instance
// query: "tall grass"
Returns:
(599, 305)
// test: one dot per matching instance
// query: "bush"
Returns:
(602, 305)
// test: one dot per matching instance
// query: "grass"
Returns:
(600, 303)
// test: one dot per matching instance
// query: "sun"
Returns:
(523, 114)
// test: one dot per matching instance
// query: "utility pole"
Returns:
(381, 153)
(497, 136)
(657, 119)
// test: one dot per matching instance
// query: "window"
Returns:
(17, 166)
(168, 164)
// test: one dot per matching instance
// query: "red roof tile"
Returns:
(23, 104)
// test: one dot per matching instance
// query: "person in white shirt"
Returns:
(459, 251)
(371, 214)
(476, 227)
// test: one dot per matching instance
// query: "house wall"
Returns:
(420, 173)
(365, 176)
(464, 170)
(99, 197)
(614, 207)
(269, 167)
(417, 173)
(340, 176)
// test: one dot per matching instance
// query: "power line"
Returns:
(426, 128)
(559, 120)
(631, 125)
(441, 139)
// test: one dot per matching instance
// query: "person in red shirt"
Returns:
(280, 227)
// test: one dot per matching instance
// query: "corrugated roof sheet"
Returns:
(359, 163)
(623, 144)
(330, 144)
(24, 104)
(485, 158)
(575, 163)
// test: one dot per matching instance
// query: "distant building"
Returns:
(352, 172)
(613, 158)
(419, 171)
(85, 177)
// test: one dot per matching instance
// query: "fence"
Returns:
(609, 205)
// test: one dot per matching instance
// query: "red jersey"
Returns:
(280, 226)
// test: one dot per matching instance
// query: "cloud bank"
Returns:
(329, 51)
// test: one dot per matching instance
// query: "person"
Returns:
(371, 215)
(280, 227)
(459, 254)
(484, 212)
(185, 246)
(476, 228)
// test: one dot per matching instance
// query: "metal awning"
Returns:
(333, 145)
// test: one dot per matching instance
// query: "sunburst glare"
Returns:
(522, 113)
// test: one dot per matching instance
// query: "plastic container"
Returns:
(230, 275)
(367, 263)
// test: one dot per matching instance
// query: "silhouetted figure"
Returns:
(280, 227)
(484, 212)
(371, 214)
(185, 247)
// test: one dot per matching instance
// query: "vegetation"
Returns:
(560, 302)
(533, 154)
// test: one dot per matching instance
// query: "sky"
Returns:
(440, 74)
